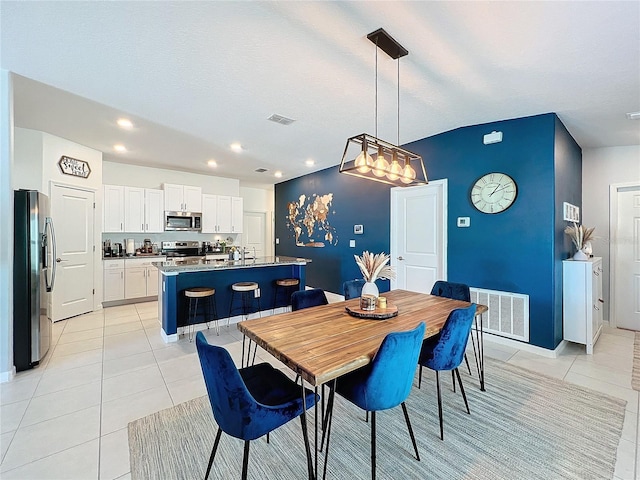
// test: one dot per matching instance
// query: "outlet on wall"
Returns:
(352, 243)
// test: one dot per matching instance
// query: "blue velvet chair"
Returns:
(382, 384)
(352, 288)
(308, 298)
(455, 291)
(446, 350)
(250, 402)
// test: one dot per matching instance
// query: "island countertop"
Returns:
(201, 265)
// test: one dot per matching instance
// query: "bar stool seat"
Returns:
(286, 284)
(244, 286)
(210, 312)
(246, 291)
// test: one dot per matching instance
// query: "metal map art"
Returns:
(311, 214)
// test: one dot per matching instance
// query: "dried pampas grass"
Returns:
(375, 266)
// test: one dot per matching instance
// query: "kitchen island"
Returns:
(177, 275)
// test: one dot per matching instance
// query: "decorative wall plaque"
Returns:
(75, 167)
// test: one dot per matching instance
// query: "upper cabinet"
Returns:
(221, 214)
(182, 198)
(133, 209)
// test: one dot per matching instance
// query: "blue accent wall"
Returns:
(519, 250)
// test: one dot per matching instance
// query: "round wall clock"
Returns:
(494, 192)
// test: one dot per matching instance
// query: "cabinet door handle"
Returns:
(121, 274)
(596, 274)
(121, 227)
(601, 300)
(142, 227)
(596, 307)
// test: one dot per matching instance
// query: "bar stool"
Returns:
(247, 291)
(209, 303)
(287, 285)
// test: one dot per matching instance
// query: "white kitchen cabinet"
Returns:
(153, 210)
(209, 213)
(224, 214)
(140, 277)
(134, 209)
(113, 280)
(113, 208)
(182, 198)
(236, 214)
(582, 302)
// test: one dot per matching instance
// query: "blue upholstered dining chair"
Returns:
(308, 298)
(382, 384)
(250, 402)
(446, 350)
(352, 288)
(455, 291)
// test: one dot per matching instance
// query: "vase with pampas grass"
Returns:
(581, 238)
(374, 267)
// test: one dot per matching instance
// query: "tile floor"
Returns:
(68, 417)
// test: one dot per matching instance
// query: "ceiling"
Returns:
(195, 77)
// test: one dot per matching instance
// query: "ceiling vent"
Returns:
(261, 170)
(280, 119)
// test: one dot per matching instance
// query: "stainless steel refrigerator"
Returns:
(34, 270)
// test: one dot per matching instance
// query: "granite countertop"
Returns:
(205, 265)
(150, 256)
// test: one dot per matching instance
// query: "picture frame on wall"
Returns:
(571, 212)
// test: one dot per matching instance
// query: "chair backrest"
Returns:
(455, 291)
(352, 288)
(448, 353)
(232, 404)
(393, 369)
(308, 298)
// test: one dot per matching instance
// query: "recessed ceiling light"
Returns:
(125, 123)
(278, 174)
(212, 163)
(236, 147)
(309, 163)
(633, 116)
(120, 148)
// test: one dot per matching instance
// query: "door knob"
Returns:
(400, 258)
(58, 260)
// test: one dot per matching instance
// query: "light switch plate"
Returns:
(464, 221)
(277, 241)
(352, 243)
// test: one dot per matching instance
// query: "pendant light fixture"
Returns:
(368, 156)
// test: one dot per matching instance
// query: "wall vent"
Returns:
(280, 119)
(261, 170)
(508, 314)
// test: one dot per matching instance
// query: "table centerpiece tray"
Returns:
(377, 314)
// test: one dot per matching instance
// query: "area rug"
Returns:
(525, 426)
(635, 372)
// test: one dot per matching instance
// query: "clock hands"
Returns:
(499, 189)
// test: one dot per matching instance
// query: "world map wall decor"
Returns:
(308, 219)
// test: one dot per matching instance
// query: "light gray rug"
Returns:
(525, 426)
(635, 373)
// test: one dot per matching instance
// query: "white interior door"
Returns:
(255, 232)
(73, 215)
(418, 236)
(626, 253)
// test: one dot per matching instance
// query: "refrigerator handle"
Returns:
(49, 224)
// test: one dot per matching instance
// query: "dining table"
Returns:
(325, 342)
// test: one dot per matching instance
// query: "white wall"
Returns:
(7, 370)
(602, 167)
(27, 159)
(261, 200)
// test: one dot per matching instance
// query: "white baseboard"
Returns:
(8, 376)
(544, 352)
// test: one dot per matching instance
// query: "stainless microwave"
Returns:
(182, 221)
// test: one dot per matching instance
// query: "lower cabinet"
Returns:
(130, 278)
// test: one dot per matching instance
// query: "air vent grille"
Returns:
(280, 119)
(261, 170)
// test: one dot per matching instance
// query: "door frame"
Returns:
(267, 245)
(613, 229)
(97, 235)
(393, 244)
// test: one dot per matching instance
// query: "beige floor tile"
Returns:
(117, 414)
(75, 360)
(554, 367)
(123, 328)
(123, 344)
(79, 462)
(114, 455)
(608, 329)
(52, 405)
(630, 426)
(174, 350)
(155, 339)
(631, 396)
(82, 335)
(5, 441)
(11, 415)
(611, 359)
(58, 380)
(131, 382)
(111, 321)
(83, 323)
(600, 372)
(77, 347)
(179, 368)
(126, 476)
(186, 389)
(127, 364)
(52, 436)
(18, 389)
(151, 323)
(625, 460)
(120, 311)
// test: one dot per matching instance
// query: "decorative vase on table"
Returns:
(580, 256)
(370, 288)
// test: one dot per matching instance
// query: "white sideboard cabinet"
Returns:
(582, 302)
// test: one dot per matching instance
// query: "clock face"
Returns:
(494, 192)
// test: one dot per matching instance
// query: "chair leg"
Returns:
(464, 396)
(213, 452)
(419, 377)
(305, 434)
(439, 405)
(245, 460)
(373, 445)
(453, 380)
(467, 361)
(326, 418)
(413, 438)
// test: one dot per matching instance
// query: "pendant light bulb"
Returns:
(380, 166)
(408, 173)
(395, 171)
(363, 161)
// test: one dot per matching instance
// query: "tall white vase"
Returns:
(370, 288)
(580, 255)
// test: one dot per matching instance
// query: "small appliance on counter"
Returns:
(117, 250)
(131, 247)
(182, 250)
(106, 248)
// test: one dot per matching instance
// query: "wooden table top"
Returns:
(325, 342)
